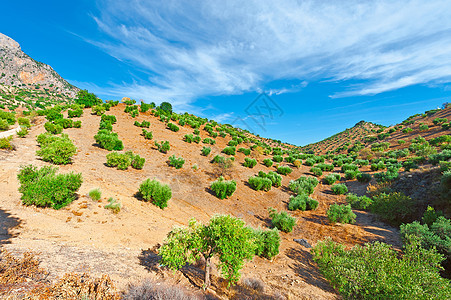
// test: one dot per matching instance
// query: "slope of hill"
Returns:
(20, 70)
(85, 236)
(340, 141)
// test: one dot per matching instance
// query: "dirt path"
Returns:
(10, 132)
(85, 236)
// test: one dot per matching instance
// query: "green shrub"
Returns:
(5, 143)
(303, 185)
(188, 138)
(375, 271)
(276, 179)
(362, 202)
(65, 123)
(209, 141)
(163, 147)
(363, 177)
(350, 174)
(138, 162)
(22, 132)
(76, 124)
(260, 183)
(267, 242)
(339, 189)
(173, 127)
(158, 193)
(108, 118)
(302, 202)
(223, 188)
(423, 127)
(268, 162)
(95, 194)
(87, 99)
(176, 162)
(284, 170)
(4, 125)
(24, 122)
(390, 175)
(206, 151)
(148, 135)
(331, 178)
(229, 150)
(309, 162)
(98, 110)
(108, 140)
(316, 171)
(445, 186)
(10, 117)
(249, 162)
(55, 149)
(277, 158)
(75, 113)
(118, 160)
(349, 167)
(245, 151)
(43, 187)
(341, 213)
(144, 123)
(282, 221)
(394, 208)
(114, 205)
(52, 128)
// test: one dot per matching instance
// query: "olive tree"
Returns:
(225, 237)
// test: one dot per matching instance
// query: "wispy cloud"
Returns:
(191, 49)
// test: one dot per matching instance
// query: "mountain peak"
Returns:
(7, 42)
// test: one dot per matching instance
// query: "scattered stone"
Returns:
(303, 242)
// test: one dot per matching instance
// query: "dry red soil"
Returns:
(85, 236)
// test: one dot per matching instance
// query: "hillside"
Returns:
(340, 141)
(20, 70)
(86, 234)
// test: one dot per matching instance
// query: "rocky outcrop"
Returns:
(20, 70)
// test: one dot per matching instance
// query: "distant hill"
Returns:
(340, 141)
(17, 69)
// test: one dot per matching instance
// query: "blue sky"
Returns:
(324, 65)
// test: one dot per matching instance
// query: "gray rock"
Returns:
(303, 242)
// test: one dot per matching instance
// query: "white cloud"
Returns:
(192, 49)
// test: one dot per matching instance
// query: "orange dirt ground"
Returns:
(86, 237)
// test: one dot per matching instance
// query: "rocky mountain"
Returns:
(20, 70)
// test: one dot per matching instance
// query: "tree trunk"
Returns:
(207, 272)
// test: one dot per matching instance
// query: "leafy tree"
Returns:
(166, 106)
(225, 237)
(87, 99)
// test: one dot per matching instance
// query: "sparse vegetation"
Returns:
(282, 220)
(223, 188)
(158, 193)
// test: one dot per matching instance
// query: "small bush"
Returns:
(209, 141)
(316, 171)
(108, 140)
(149, 290)
(148, 135)
(75, 113)
(394, 208)
(76, 124)
(259, 183)
(188, 138)
(341, 213)
(363, 177)
(52, 128)
(423, 127)
(163, 147)
(375, 271)
(302, 202)
(284, 170)
(206, 151)
(173, 127)
(303, 185)
(277, 158)
(114, 205)
(176, 162)
(22, 132)
(55, 149)
(118, 160)
(5, 143)
(95, 194)
(362, 202)
(268, 162)
(331, 178)
(223, 188)
(339, 189)
(350, 174)
(138, 162)
(108, 118)
(43, 187)
(390, 175)
(267, 242)
(245, 151)
(282, 221)
(4, 125)
(309, 162)
(158, 193)
(24, 122)
(249, 162)
(229, 150)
